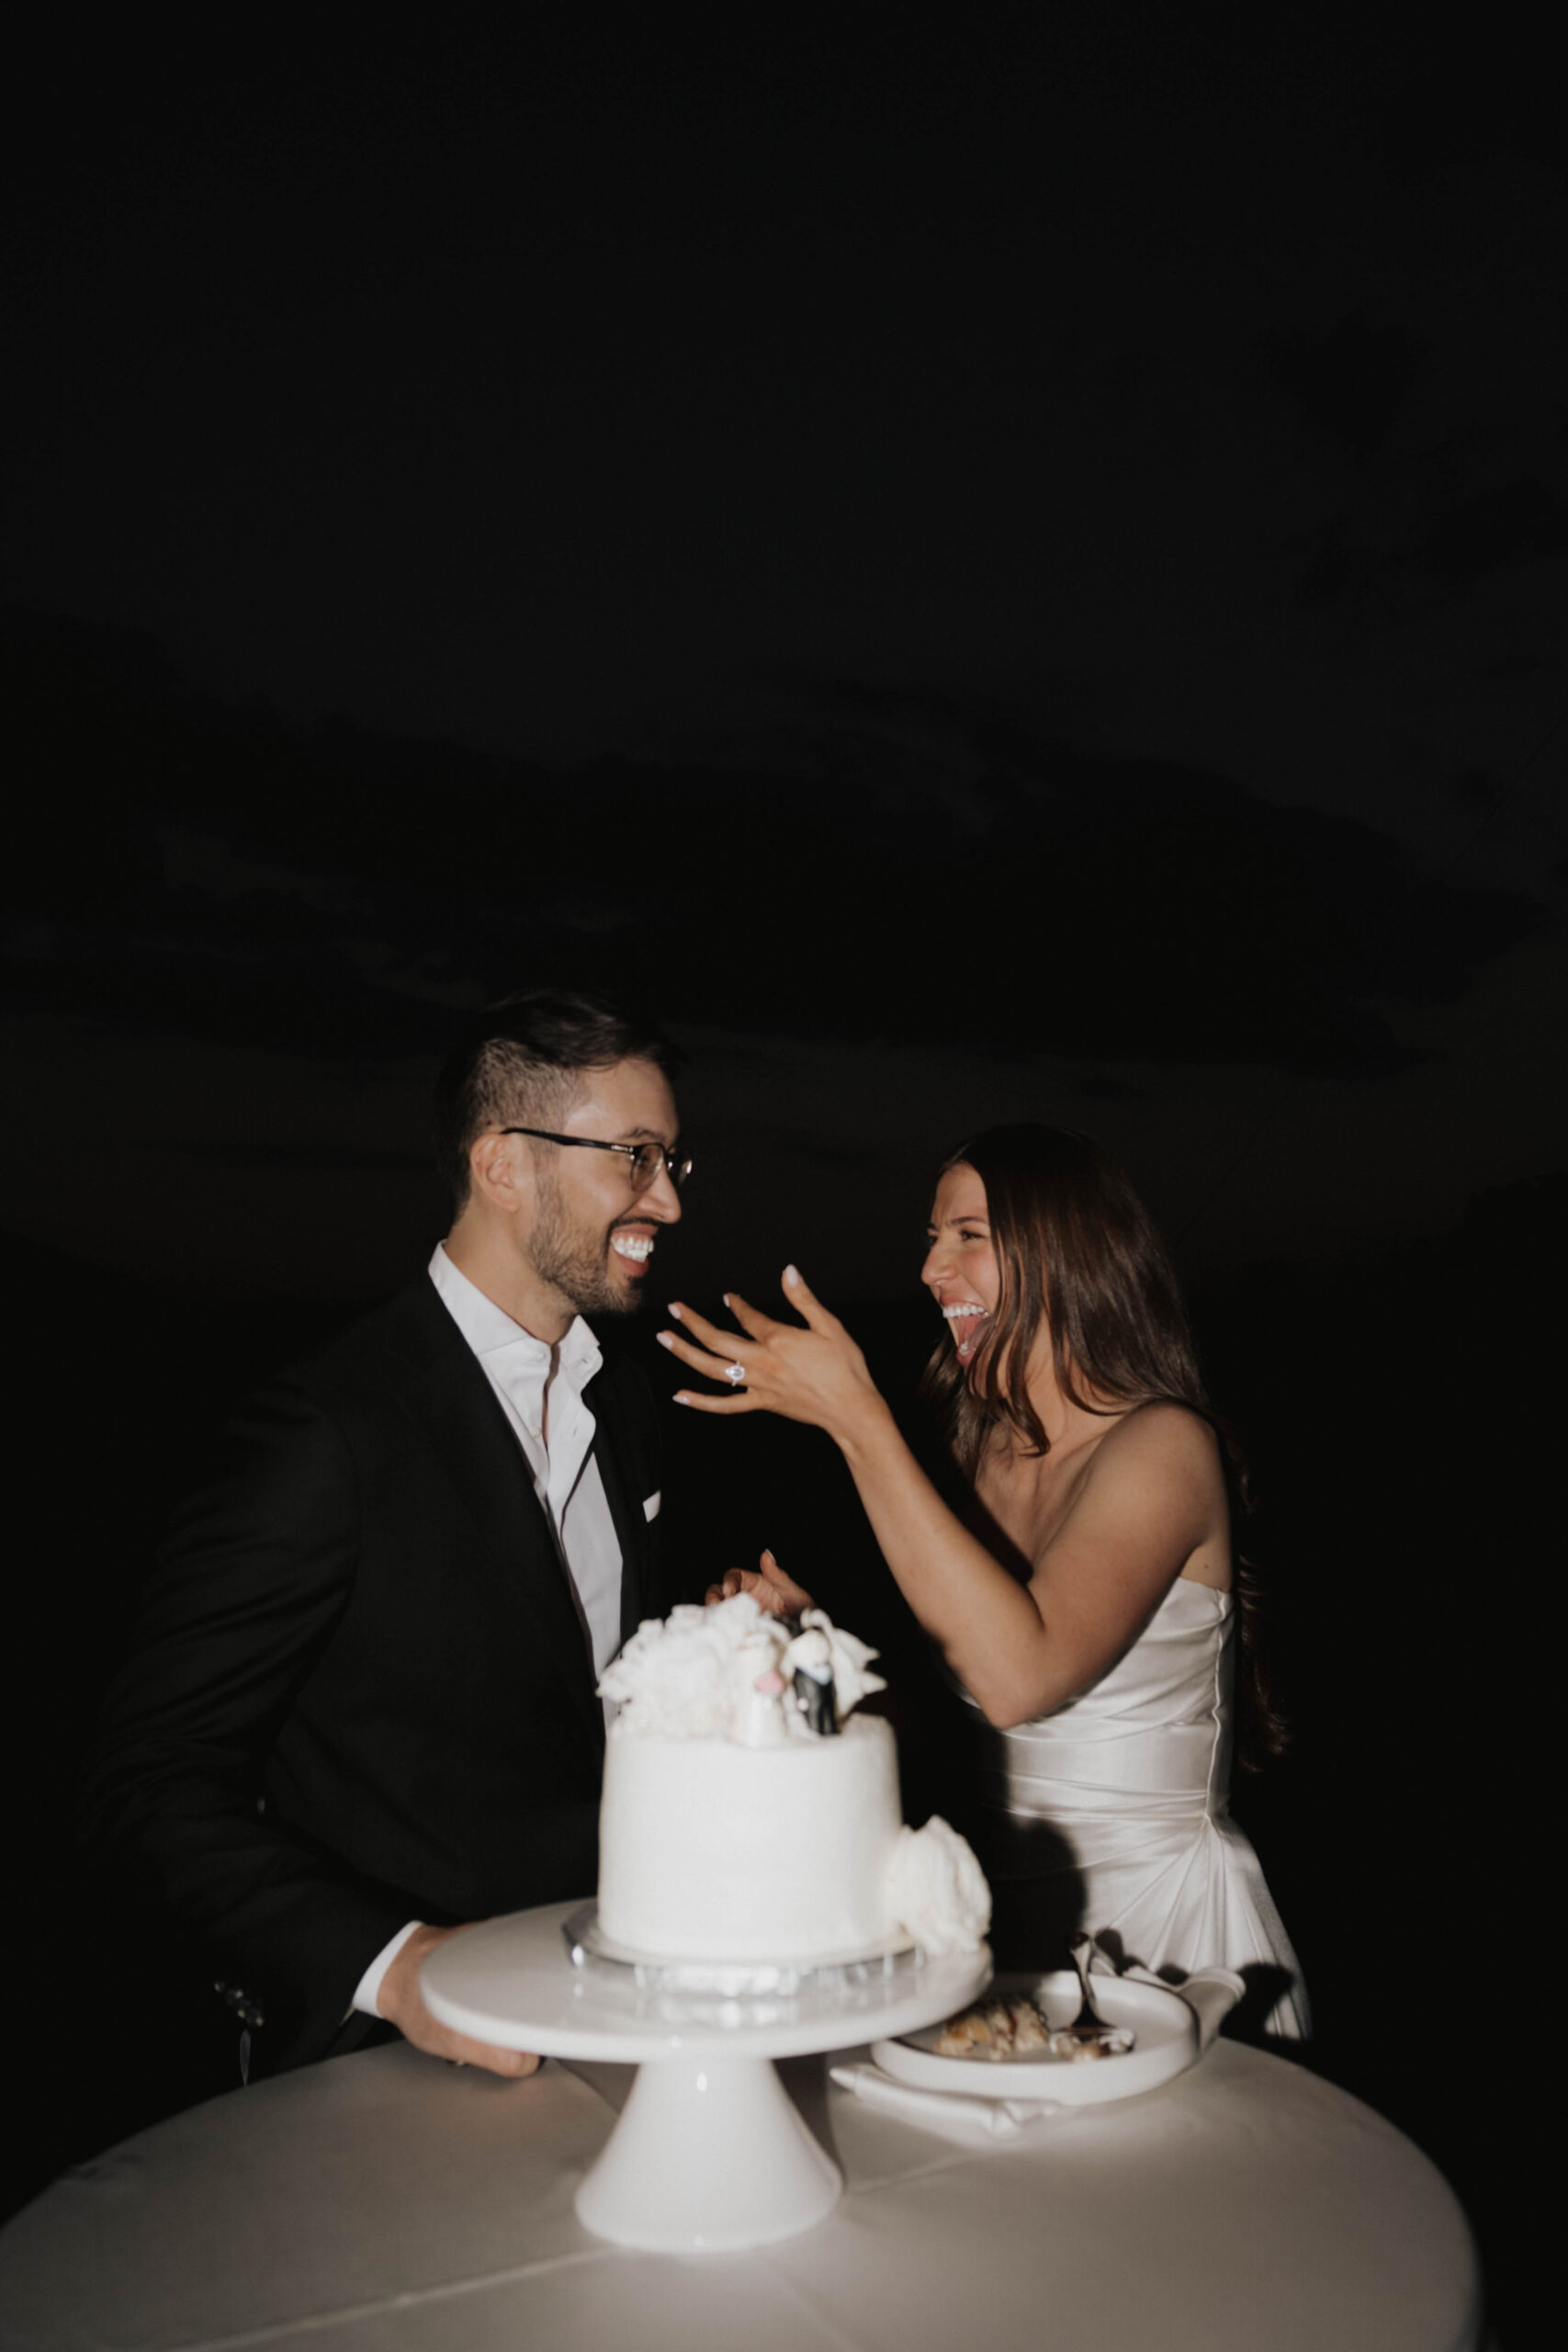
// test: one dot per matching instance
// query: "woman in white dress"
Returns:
(1084, 1595)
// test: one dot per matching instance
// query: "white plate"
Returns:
(1167, 2045)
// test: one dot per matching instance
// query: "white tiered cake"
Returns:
(748, 1817)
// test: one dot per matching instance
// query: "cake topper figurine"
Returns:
(758, 1718)
(810, 1658)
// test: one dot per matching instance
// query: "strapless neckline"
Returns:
(1196, 1584)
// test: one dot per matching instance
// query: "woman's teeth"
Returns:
(968, 1340)
(632, 1245)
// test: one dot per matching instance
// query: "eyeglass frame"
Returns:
(675, 1168)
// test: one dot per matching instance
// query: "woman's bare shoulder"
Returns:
(1162, 1438)
(1162, 1421)
(1157, 1481)
(1151, 1499)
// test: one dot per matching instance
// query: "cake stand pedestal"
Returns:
(708, 2155)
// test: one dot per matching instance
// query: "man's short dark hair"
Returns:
(518, 1062)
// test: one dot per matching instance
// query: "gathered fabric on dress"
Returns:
(1112, 1814)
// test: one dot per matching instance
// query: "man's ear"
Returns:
(496, 1174)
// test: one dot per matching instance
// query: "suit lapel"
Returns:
(515, 1547)
(616, 1460)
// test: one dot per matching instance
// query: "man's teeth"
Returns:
(632, 1245)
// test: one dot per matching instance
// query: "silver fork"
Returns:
(1088, 2025)
(1080, 1949)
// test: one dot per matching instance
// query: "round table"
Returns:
(709, 2156)
(386, 2202)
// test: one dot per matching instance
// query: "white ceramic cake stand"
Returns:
(710, 2153)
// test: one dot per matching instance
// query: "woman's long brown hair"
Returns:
(1076, 1249)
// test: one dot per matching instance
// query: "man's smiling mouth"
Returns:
(638, 1247)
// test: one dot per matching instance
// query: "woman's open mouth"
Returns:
(969, 1323)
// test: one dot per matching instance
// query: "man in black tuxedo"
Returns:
(360, 1710)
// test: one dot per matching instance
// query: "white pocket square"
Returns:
(650, 1508)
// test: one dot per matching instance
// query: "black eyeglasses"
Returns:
(647, 1158)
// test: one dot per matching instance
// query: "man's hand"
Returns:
(775, 1593)
(400, 2001)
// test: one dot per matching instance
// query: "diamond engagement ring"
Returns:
(735, 1374)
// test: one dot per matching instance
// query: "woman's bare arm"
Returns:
(1143, 1506)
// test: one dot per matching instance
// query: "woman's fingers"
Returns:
(739, 1403)
(800, 1295)
(773, 1592)
(792, 1598)
(709, 1333)
(812, 1374)
(713, 1367)
(752, 1319)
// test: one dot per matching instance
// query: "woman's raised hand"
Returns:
(775, 1594)
(813, 1373)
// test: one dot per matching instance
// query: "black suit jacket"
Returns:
(359, 1692)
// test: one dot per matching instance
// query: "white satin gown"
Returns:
(1114, 1813)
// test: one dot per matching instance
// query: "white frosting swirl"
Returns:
(695, 1675)
(678, 1678)
(937, 1889)
(848, 1656)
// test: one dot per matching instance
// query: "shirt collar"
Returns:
(521, 1362)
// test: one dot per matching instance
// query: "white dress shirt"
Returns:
(540, 1389)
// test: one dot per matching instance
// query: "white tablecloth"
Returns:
(389, 2201)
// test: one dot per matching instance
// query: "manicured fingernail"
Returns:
(681, 1396)
(676, 1313)
(726, 1298)
(666, 1338)
(791, 1273)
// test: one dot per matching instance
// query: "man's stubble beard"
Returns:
(574, 1260)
